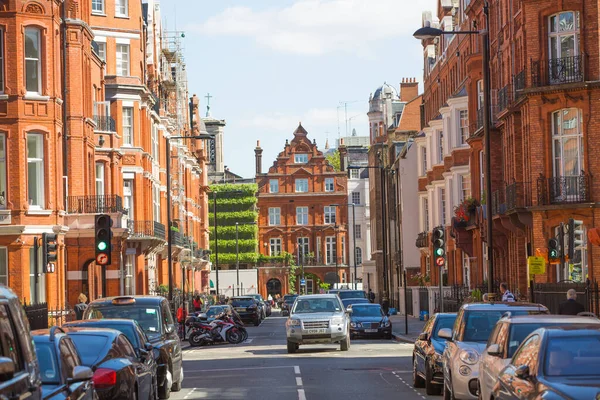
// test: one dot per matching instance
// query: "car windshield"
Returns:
(313, 305)
(90, 347)
(256, 297)
(479, 324)
(147, 316)
(443, 323)
(242, 302)
(48, 363)
(214, 311)
(347, 302)
(366, 311)
(577, 356)
(352, 294)
(518, 333)
(289, 300)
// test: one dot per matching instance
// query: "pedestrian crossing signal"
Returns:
(553, 250)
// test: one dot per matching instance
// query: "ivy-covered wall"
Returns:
(235, 203)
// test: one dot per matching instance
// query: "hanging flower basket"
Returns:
(465, 211)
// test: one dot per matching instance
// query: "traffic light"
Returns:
(103, 235)
(439, 246)
(575, 237)
(553, 250)
(49, 250)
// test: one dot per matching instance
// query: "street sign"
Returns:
(102, 259)
(303, 282)
(537, 265)
(440, 261)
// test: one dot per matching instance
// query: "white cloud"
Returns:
(315, 27)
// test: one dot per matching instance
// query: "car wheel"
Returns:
(291, 347)
(345, 344)
(164, 391)
(430, 388)
(418, 382)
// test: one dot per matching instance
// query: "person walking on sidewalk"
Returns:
(371, 296)
(571, 306)
(507, 296)
(81, 306)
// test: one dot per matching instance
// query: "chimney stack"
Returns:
(343, 150)
(258, 156)
(409, 89)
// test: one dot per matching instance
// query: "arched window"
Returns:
(358, 256)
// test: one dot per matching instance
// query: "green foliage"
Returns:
(230, 258)
(324, 286)
(334, 160)
(228, 246)
(246, 189)
(230, 218)
(292, 274)
(228, 232)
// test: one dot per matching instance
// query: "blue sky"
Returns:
(272, 63)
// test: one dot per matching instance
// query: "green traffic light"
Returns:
(102, 246)
(439, 252)
(553, 254)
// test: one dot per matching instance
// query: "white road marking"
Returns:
(298, 381)
(248, 340)
(301, 394)
(231, 369)
(297, 369)
(188, 395)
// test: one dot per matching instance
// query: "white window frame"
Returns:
(127, 126)
(354, 174)
(274, 216)
(303, 248)
(38, 163)
(425, 213)
(4, 266)
(423, 160)
(41, 275)
(329, 184)
(465, 187)
(274, 247)
(357, 231)
(301, 158)
(356, 197)
(122, 8)
(301, 215)
(102, 50)
(463, 127)
(128, 197)
(301, 185)
(443, 200)
(480, 99)
(330, 250)
(440, 145)
(99, 169)
(123, 58)
(358, 254)
(98, 6)
(273, 185)
(330, 214)
(558, 140)
(3, 172)
(559, 36)
(36, 59)
(466, 269)
(156, 203)
(155, 143)
(481, 175)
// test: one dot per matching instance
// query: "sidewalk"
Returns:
(415, 327)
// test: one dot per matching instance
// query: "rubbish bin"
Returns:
(424, 316)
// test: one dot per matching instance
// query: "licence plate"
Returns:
(240, 309)
(370, 330)
(315, 331)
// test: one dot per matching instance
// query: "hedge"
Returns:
(247, 189)
(229, 258)
(228, 246)
(235, 216)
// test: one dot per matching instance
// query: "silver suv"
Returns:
(318, 318)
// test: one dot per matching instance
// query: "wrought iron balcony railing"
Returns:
(146, 229)
(105, 124)
(111, 203)
(422, 240)
(564, 189)
(505, 98)
(557, 71)
(518, 195)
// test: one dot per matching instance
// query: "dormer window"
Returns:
(300, 158)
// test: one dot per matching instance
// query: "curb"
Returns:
(403, 339)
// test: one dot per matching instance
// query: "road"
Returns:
(261, 369)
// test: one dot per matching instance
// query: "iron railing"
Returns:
(422, 240)
(105, 124)
(424, 299)
(142, 229)
(557, 71)
(498, 204)
(553, 294)
(40, 316)
(519, 81)
(563, 189)
(518, 195)
(111, 203)
(504, 98)
(176, 238)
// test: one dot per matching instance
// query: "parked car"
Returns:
(265, 307)
(20, 373)
(247, 308)
(317, 318)
(428, 369)
(134, 333)
(554, 363)
(63, 374)
(154, 316)
(349, 294)
(507, 336)
(347, 302)
(472, 328)
(119, 373)
(288, 302)
(369, 320)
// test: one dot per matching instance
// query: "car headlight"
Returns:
(293, 322)
(385, 324)
(337, 321)
(353, 324)
(469, 356)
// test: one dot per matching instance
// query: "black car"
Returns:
(132, 330)
(154, 316)
(63, 374)
(247, 308)
(287, 303)
(554, 363)
(369, 320)
(119, 373)
(428, 369)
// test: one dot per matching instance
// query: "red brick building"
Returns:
(302, 211)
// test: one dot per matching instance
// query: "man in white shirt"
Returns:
(507, 296)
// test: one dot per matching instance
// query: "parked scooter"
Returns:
(223, 329)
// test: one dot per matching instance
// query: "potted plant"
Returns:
(421, 279)
(464, 211)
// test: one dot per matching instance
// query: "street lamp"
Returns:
(354, 234)
(237, 253)
(169, 233)
(430, 33)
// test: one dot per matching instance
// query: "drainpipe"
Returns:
(65, 133)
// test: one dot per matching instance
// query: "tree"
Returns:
(334, 159)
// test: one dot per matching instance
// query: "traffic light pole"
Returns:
(36, 267)
(561, 241)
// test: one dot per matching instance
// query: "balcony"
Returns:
(519, 81)
(422, 240)
(498, 204)
(146, 230)
(505, 98)
(518, 195)
(177, 238)
(557, 71)
(105, 204)
(563, 189)
(105, 124)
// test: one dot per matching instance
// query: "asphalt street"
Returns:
(261, 369)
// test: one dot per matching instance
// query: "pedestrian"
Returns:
(371, 296)
(197, 303)
(486, 298)
(270, 299)
(81, 306)
(571, 306)
(507, 296)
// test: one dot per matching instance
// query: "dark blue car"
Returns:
(427, 354)
(369, 320)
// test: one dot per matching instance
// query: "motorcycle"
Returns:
(222, 329)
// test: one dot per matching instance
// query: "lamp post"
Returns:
(354, 238)
(429, 33)
(169, 233)
(237, 253)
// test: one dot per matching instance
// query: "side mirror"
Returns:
(148, 346)
(522, 372)
(495, 350)
(348, 311)
(81, 374)
(423, 336)
(7, 369)
(170, 328)
(445, 333)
